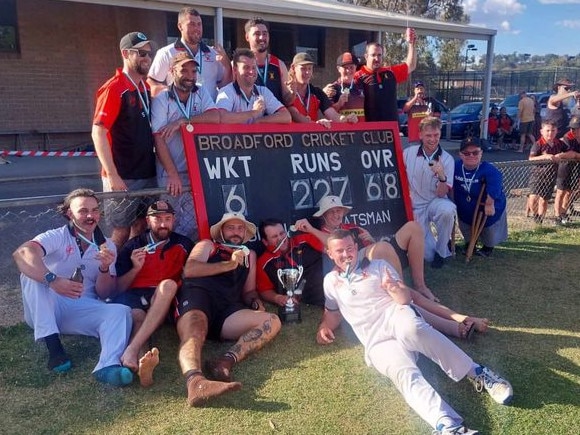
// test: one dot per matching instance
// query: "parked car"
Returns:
(438, 107)
(465, 119)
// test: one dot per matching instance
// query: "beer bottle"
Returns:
(77, 276)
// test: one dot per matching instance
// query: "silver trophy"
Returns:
(289, 278)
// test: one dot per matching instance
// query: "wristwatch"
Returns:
(49, 278)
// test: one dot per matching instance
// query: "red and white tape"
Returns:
(48, 153)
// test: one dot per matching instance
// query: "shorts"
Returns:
(542, 181)
(196, 297)
(567, 178)
(122, 212)
(527, 127)
(135, 298)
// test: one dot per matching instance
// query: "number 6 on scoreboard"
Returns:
(234, 197)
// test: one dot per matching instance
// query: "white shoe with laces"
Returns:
(498, 388)
(456, 430)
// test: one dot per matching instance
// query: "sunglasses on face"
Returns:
(470, 153)
(142, 53)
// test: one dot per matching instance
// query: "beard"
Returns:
(161, 233)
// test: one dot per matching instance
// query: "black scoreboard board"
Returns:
(283, 171)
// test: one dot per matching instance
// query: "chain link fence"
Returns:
(22, 219)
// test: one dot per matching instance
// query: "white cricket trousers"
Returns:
(49, 313)
(406, 335)
(440, 212)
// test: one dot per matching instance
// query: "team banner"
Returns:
(282, 171)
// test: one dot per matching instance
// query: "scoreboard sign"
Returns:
(282, 171)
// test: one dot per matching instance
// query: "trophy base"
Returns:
(290, 316)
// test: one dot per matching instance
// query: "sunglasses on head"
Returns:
(470, 153)
(142, 53)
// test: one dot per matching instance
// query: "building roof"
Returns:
(327, 13)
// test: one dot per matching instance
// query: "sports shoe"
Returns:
(114, 375)
(455, 431)
(498, 388)
(484, 251)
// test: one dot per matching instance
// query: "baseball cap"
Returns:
(134, 40)
(182, 58)
(417, 84)
(470, 142)
(346, 58)
(160, 207)
(574, 122)
(302, 59)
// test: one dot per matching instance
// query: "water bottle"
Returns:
(77, 276)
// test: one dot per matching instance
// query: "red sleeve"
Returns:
(108, 105)
(263, 282)
(401, 72)
(311, 239)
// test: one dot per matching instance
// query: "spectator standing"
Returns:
(526, 116)
(219, 300)
(149, 269)
(417, 108)
(548, 151)
(66, 273)
(213, 62)
(242, 102)
(379, 83)
(122, 136)
(182, 103)
(556, 110)
(311, 99)
(430, 171)
(346, 96)
(567, 177)
(471, 176)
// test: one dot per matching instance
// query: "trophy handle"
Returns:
(300, 272)
(280, 273)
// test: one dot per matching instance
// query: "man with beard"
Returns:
(272, 72)
(56, 304)
(243, 102)
(214, 64)
(379, 83)
(122, 136)
(149, 269)
(183, 103)
(219, 300)
(430, 171)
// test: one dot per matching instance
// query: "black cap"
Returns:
(160, 207)
(417, 84)
(134, 40)
(470, 142)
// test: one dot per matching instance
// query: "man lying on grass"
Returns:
(375, 302)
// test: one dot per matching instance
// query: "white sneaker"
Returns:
(456, 430)
(498, 388)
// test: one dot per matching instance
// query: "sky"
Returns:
(536, 27)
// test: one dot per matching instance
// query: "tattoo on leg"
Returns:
(236, 349)
(252, 335)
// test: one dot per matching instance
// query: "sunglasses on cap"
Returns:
(142, 53)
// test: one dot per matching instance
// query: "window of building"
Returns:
(8, 27)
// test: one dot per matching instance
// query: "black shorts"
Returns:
(542, 181)
(567, 178)
(196, 297)
(401, 253)
(136, 298)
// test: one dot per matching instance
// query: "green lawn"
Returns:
(530, 290)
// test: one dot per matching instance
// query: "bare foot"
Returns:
(481, 324)
(200, 390)
(147, 364)
(130, 359)
(426, 291)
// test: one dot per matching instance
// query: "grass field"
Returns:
(530, 289)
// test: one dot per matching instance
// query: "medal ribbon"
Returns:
(151, 247)
(193, 56)
(265, 76)
(307, 105)
(467, 184)
(144, 101)
(186, 110)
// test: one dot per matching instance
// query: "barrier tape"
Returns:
(48, 153)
